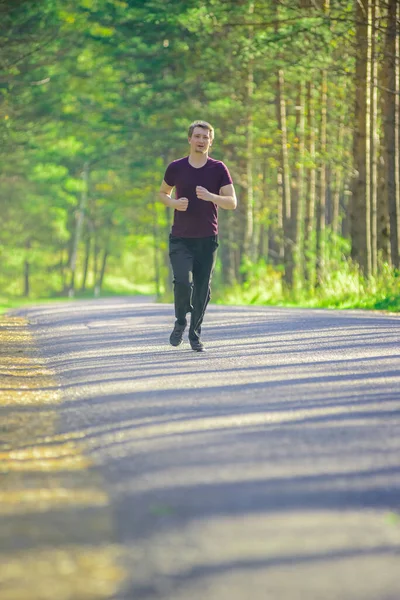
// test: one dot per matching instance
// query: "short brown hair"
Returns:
(202, 124)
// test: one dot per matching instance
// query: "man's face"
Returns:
(200, 142)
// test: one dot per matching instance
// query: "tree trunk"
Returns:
(383, 225)
(227, 251)
(86, 260)
(168, 283)
(360, 204)
(156, 249)
(374, 135)
(391, 124)
(286, 197)
(100, 280)
(257, 208)
(276, 233)
(338, 183)
(78, 228)
(27, 271)
(321, 209)
(96, 257)
(311, 188)
(62, 272)
(298, 185)
(248, 245)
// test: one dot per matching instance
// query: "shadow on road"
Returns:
(288, 415)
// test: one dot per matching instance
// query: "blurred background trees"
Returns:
(95, 100)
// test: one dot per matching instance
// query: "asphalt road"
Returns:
(267, 467)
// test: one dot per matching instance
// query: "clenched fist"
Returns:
(181, 204)
(203, 193)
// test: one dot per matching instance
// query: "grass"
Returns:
(10, 302)
(343, 288)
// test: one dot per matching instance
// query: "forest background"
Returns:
(95, 100)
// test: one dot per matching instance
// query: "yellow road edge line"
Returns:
(32, 448)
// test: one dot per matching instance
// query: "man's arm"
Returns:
(225, 199)
(165, 198)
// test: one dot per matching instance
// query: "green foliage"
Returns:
(343, 287)
(111, 85)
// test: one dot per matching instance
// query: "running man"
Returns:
(202, 185)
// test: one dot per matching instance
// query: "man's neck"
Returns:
(198, 160)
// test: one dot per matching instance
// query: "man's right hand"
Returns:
(181, 204)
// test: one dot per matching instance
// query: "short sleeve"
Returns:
(226, 178)
(169, 176)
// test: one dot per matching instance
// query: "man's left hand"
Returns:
(204, 194)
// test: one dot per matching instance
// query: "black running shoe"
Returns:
(175, 339)
(197, 345)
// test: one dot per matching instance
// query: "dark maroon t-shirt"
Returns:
(201, 217)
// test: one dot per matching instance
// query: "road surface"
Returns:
(267, 467)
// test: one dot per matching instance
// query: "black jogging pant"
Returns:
(193, 262)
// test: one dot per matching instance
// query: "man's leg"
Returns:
(203, 267)
(182, 267)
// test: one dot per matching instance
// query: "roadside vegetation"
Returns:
(95, 100)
